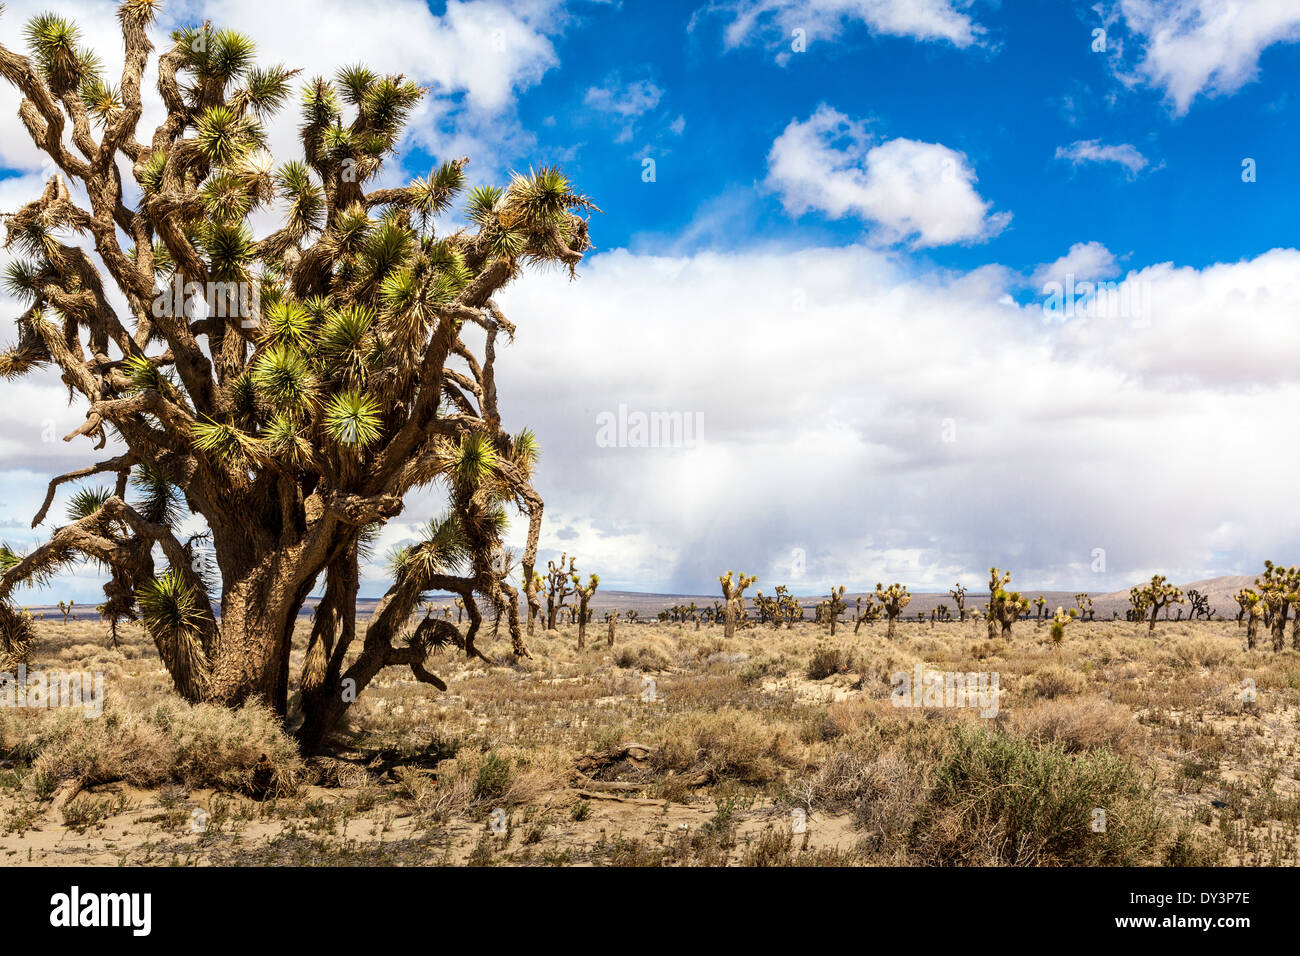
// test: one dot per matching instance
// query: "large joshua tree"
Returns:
(340, 361)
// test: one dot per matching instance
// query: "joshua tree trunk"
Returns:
(1278, 624)
(613, 623)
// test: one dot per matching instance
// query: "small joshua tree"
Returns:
(892, 600)
(66, 609)
(733, 593)
(1154, 597)
(958, 593)
(584, 596)
(1004, 607)
(835, 606)
(1040, 603)
(460, 609)
(1137, 599)
(865, 613)
(1200, 605)
(612, 618)
(1085, 606)
(1253, 609)
(1061, 618)
(560, 577)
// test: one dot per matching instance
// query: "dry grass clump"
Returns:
(120, 745)
(200, 745)
(729, 744)
(828, 660)
(1079, 725)
(1202, 652)
(1055, 681)
(244, 749)
(474, 781)
(642, 657)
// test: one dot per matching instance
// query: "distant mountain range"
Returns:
(1219, 590)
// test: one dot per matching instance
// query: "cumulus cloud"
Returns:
(826, 412)
(776, 20)
(1084, 261)
(1094, 151)
(908, 191)
(1211, 47)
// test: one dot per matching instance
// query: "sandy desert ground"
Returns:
(679, 747)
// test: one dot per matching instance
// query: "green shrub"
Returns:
(1000, 800)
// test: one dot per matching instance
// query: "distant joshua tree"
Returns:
(1154, 597)
(1004, 607)
(66, 609)
(1253, 609)
(1200, 605)
(733, 593)
(584, 596)
(867, 613)
(958, 592)
(835, 607)
(892, 600)
(560, 577)
(1085, 606)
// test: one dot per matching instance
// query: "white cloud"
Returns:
(1212, 47)
(937, 20)
(1084, 261)
(1094, 151)
(475, 58)
(626, 100)
(921, 193)
(824, 402)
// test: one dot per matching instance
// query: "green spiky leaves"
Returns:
(87, 501)
(285, 378)
(482, 208)
(102, 101)
(174, 617)
(55, 43)
(224, 136)
(227, 444)
(474, 460)
(159, 498)
(352, 419)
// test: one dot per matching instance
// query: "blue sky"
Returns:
(1035, 86)
(839, 267)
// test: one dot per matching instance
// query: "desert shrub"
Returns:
(728, 744)
(493, 777)
(641, 657)
(1079, 725)
(1055, 681)
(1201, 652)
(244, 750)
(826, 661)
(998, 799)
(116, 746)
(200, 745)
